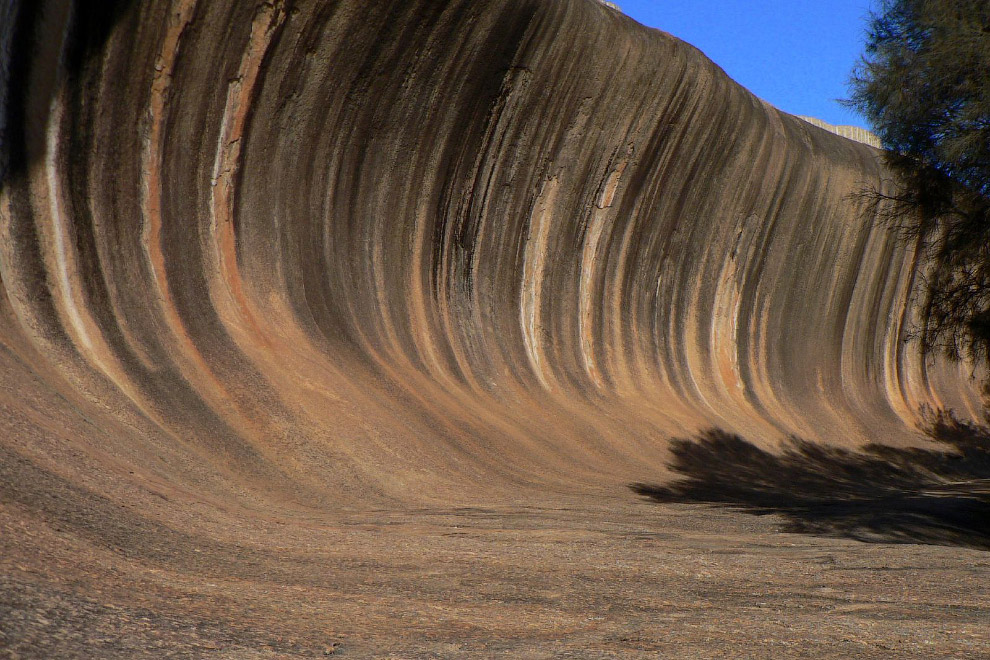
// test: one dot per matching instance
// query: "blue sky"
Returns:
(796, 54)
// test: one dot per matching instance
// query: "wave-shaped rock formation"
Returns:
(267, 264)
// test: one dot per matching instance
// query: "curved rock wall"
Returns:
(335, 252)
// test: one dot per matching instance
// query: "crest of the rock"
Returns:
(852, 132)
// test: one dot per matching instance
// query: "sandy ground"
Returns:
(618, 578)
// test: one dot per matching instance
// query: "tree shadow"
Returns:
(938, 496)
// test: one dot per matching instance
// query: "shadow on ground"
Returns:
(879, 494)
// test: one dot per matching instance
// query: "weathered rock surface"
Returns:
(288, 285)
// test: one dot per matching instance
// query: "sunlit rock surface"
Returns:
(851, 132)
(265, 264)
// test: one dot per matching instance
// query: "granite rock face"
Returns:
(436, 238)
(363, 243)
(299, 255)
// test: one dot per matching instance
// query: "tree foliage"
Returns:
(924, 85)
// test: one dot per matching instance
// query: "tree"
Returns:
(924, 85)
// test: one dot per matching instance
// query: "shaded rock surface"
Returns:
(295, 291)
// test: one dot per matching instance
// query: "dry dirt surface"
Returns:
(447, 328)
